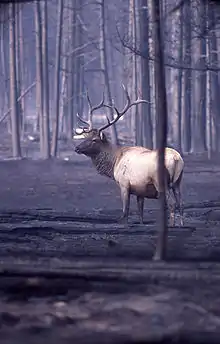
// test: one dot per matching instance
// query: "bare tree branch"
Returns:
(169, 60)
(19, 98)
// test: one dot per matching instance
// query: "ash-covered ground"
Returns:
(69, 271)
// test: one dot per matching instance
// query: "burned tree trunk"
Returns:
(187, 76)
(77, 69)
(21, 69)
(146, 124)
(63, 91)
(39, 74)
(135, 112)
(175, 79)
(71, 70)
(128, 62)
(16, 148)
(161, 110)
(46, 108)
(104, 65)
(199, 79)
(212, 46)
(5, 100)
(57, 78)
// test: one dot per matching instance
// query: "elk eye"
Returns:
(94, 139)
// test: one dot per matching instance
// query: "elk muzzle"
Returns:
(78, 150)
(84, 147)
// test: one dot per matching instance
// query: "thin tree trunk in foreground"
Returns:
(161, 107)
(21, 67)
(46, 108)
(147, 127)
(39, 75)
(104, 66)
(16, 148)
(57, 78)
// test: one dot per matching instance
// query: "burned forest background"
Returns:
(53, 52)
(69, 270)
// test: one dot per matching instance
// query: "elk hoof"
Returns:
(122, 220)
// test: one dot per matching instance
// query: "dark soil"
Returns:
(70, 273)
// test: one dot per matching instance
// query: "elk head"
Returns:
(95, 140)
(93, 143)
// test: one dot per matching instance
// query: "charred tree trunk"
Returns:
(152, 73)
(57, 78)
(3, 48)
(199, 80)
(208, 103)
(71, 72)
(17, 54)
(161, 108)
(16, 148)
(174, 81)
(135, 111)
(82, 60)
(180, 83)
(128, 66)
(81, 75)
(186, 84)
(64, 77)
(46, 109)
(39, 74)
(21, 69)
(63, 104)
(19, 62)
(104, 66)
(147, 129)
(214, 80)
(77, 63)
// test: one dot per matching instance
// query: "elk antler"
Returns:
(121, 113)
(91, 110)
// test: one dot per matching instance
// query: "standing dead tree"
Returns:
(147, 126)
(39, 73)
(57, 78)
(71, 22)
(104, 63)
(46, 108)
(161, 110)
(15, 132)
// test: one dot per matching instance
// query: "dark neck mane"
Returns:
(105, 160)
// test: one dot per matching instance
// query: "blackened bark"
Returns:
(57, 78)
(161, 107)
(16, 148)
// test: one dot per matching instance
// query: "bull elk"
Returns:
(133, 168)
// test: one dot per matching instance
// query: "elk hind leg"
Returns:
(140, 204)
(178, 201)
(170, 206)
(125, 196)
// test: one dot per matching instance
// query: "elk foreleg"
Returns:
(125, 197)
(140, 204)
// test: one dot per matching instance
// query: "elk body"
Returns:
(133, 168)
